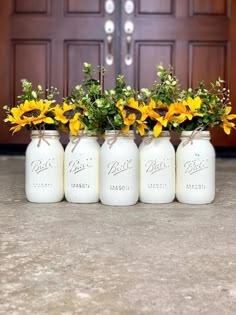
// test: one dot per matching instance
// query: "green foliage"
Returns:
(100, 110)
(111, 116)
(31, 94)
(166, 89)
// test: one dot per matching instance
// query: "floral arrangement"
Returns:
(205, 108)
(79, 110)
(33, 111)
(201, 109)
(92, 109)
(161, 99)
(121, 109)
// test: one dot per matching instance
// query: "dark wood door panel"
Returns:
(31, 6)
(30, 59)
(154, 6)
(84, 7)
(145, 73)
(76, 53)
(216, 7)
(208, 61)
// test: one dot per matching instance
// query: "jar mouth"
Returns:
(36, 133)
(164, 133)
(205, 134)
(190, 131)
(82, 133)
(119, 133)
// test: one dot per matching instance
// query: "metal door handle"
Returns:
(128, 57)
(128, 28)
(109, 57)
(109, 29)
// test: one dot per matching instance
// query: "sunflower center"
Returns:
(69, 114)
(31, 113)
(187, 108)
(160, 111)
(130, 110)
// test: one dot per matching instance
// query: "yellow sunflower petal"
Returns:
(227, 126)
(193, 103)
(228, 109)
(181, 118)
(152, 104)
(120, 105)
(231, 116)
(141, 128)
(157, 129)
(15, 128)
(48, 120)
(132, 103)
(125, 129)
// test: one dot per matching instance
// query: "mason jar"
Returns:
(81, 177)
(119, 169)
(44, 162)
(195, 168)
(157, 169)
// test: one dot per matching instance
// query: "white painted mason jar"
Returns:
(119, 169)
(195, 168)
(44, 161)
(81, 177)
(157, 169)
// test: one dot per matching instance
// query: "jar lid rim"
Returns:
(164, 133)
(119, 133)
(84, 133)
(44, 131)
(187, 132)
(195, 135)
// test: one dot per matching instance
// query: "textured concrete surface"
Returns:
(91, 259)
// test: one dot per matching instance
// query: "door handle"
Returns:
(128, 28)
(109, 29)
(109, 57)
(128, 56)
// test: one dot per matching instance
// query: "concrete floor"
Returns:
(91, 259)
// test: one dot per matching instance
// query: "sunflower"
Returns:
(68, 115)
(141, 124)
(161, 113)
(75, 124)
(226, 124)
(133, 114)
(188, 109)
(30, 113)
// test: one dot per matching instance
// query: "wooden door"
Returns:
(197, 37)
(47, 41)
